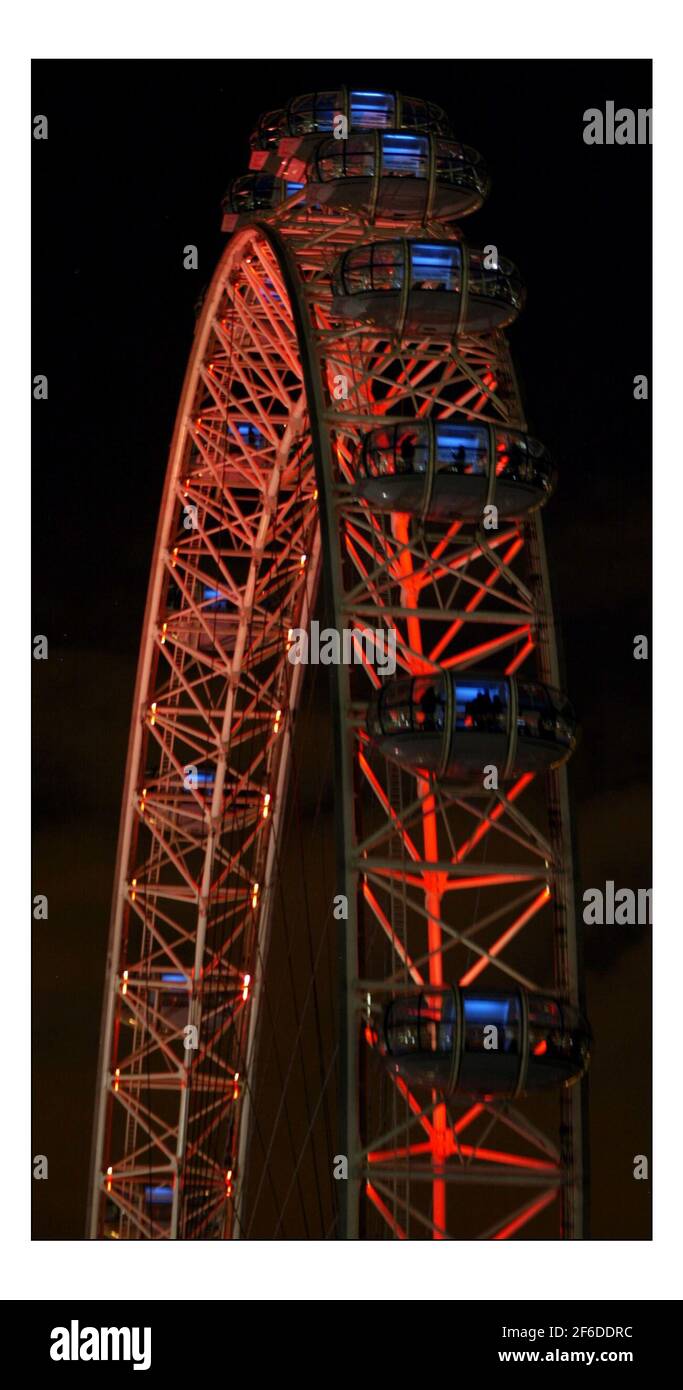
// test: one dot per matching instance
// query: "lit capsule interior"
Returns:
(255, 192)
(441, 471)
(484, 1044)
(453, 725)
(426, 287)
(315, 113)
(398, 175)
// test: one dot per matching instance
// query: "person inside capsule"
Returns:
(485, 712)
(406, 454)
(430, 705)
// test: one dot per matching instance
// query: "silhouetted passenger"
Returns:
(406, 454)
(427, 708)
(482, 712)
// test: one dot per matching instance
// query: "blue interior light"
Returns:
(467, 693)
(370, 110)
(487, 1011)
(159, 1196)
(450, 437)
(205, 779)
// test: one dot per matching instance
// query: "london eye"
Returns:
(350, 440)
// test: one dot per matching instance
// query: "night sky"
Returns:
(138, 157)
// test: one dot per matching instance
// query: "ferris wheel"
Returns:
(349, 440)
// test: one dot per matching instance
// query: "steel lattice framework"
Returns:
(442, 883)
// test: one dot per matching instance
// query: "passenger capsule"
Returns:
(481, 1044)
(441, 471)
(213, 624)
(172, 1000)
(159, 1203)
(185, 805)
(239, 440)
(315, 114)
(455, 724)
(425, 288)
(252, 193)
(247, 434)
(218, 624)
(383, 173)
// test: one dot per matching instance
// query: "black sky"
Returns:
(138, 157)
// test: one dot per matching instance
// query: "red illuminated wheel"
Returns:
(272, 480)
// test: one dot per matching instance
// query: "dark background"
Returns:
(138, 157)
